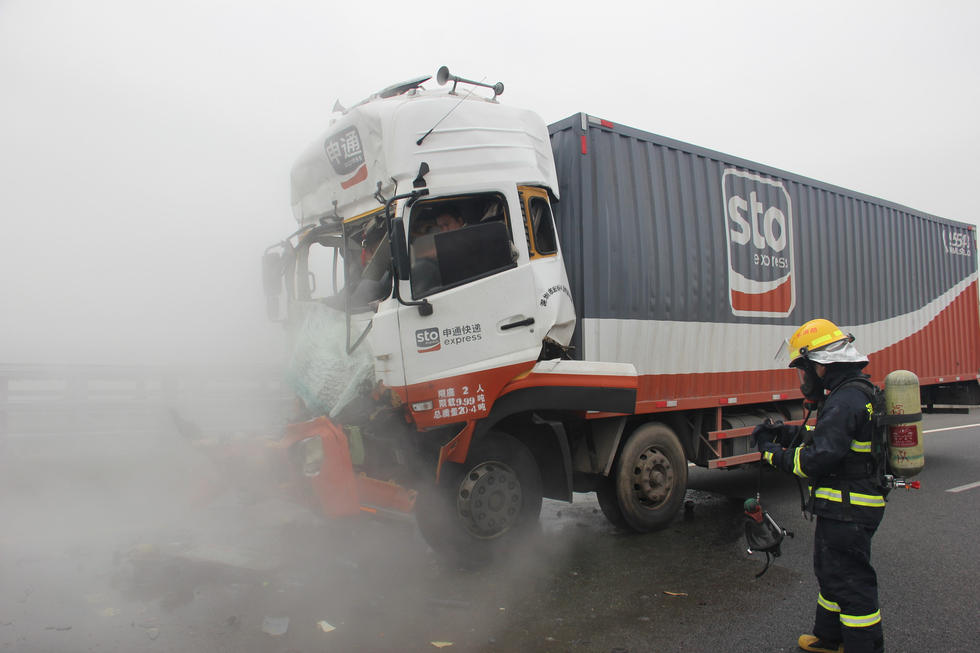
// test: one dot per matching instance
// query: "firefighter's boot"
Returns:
(817, 645)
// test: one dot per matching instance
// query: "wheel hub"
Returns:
(489, 499)
(653, 477)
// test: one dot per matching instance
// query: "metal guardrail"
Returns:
(78, 399)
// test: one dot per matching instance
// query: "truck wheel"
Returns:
(609, 503)
(650, 477)
(479, 508)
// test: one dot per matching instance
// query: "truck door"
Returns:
(481, 331)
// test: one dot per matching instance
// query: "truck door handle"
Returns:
(513, 325)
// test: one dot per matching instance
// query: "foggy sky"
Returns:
(145, 147)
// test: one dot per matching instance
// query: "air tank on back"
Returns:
(907, 457)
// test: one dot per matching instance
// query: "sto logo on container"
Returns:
(759, 233)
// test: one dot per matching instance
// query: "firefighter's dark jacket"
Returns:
(836, 459)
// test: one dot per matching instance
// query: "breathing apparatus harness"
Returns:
(815, 393)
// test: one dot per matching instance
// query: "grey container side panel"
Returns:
(643, 226)
(574, 122)
(861, 262)
(575, 187)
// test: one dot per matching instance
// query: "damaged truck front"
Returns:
(428, 315)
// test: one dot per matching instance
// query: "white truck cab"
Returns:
(467, 183)
(426, 235)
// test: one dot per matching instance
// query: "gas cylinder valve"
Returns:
(893, 482)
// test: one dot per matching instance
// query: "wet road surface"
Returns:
(108, 547)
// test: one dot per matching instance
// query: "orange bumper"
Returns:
(337, 490)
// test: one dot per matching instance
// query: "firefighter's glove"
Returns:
(766, 433)
(768, 450)
(787, 435)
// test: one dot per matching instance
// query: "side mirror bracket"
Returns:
(400, 261)
(399, 249)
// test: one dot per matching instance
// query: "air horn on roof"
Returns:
(444, 76)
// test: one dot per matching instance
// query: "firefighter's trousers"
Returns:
(847, 607)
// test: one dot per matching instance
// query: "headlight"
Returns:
(311, 455)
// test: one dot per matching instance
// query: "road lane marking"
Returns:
(964, 488)
(952, 428)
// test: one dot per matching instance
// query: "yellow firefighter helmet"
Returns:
(822, 341)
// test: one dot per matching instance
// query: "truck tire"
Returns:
(650, 477)
(480, 508)
(609, 503)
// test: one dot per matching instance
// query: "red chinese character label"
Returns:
(904, 436)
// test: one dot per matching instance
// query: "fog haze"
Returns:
(145, 147)
(145, 150)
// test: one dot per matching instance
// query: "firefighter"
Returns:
(835, 460)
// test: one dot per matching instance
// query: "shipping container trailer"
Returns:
(694, 265)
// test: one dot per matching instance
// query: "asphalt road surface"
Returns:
(116, 545)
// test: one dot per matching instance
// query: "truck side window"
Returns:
(539, 225)
(542, 226)
(456, 240)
